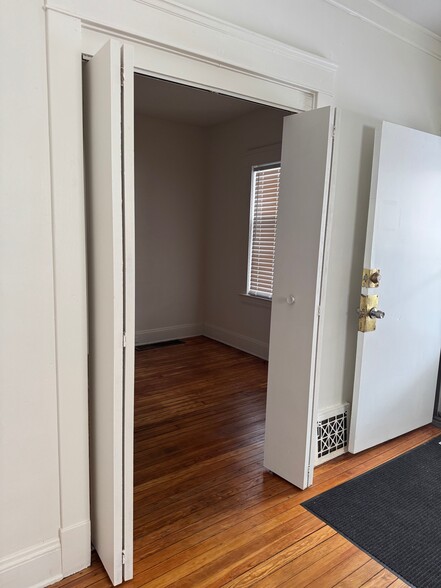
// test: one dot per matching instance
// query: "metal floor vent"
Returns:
(332, 433)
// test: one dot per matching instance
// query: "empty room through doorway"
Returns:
(194, 155)
(202, 339)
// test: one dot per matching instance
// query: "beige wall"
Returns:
(234, 148)
(192, 225)
(170, 184)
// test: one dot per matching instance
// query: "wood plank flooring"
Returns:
(207, 514)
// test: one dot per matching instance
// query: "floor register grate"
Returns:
(332, 433)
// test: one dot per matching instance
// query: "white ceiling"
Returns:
(185, 104)
(427, 13)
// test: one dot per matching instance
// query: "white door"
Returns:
(108, 115)
(397, 364)
(301, 227)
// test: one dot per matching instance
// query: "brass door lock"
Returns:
(368, 313)
(371, 278)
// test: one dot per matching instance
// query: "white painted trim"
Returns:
(75, 548)
(214, 76)
(69, 254)
(256, 300)
(233, 339)
(214, 24)
(392, 23)
(168, 333)
(172, 29)
(34, 567)
(203, 19)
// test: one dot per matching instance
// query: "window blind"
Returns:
(265, 197)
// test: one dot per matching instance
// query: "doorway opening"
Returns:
(194, 155)
(202, 340)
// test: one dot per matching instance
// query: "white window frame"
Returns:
(254, 169)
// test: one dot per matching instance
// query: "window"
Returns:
(263, 220)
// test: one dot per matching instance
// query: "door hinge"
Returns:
(122, 78)
(124, 340)
(123, 556)
(319, 310)
(333, 131)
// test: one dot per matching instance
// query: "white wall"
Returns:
(235, 147)
(29, 487)
(170, 185)
(379, 73)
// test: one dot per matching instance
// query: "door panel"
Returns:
(110, 419)
(129, 300)
(397, 364)
(301, 224)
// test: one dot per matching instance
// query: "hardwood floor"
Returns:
(206, 511)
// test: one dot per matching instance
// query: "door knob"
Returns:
(375, 313)
(290, 299)
(368, 313)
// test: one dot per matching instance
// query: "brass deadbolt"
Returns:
(371, 278)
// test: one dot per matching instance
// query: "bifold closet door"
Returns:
(108, 135)
(300, 242)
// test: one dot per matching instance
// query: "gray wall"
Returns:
(170, 196)
(234, 148)
(192, 189)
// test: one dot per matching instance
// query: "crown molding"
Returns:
(213, 23)
(391, 22)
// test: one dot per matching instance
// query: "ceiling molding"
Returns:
(422, 9)
(384, 18)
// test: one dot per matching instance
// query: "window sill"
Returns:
(256, 300)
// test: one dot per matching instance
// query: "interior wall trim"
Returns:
(178, 30)
(168, 333)
(34, 567)
(237, 340)
(392, 23)
(215, 24)
(75, 547)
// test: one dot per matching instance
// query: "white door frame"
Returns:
(221, 57)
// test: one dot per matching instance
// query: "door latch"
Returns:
(368, 313)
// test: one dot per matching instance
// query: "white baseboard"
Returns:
(168, 333)
(242, 342)
(75, 548)
(35, 567)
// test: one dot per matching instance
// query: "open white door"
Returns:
(397, 364)
(108, 130)
(301, 227)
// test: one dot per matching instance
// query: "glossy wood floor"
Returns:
(206, 511)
